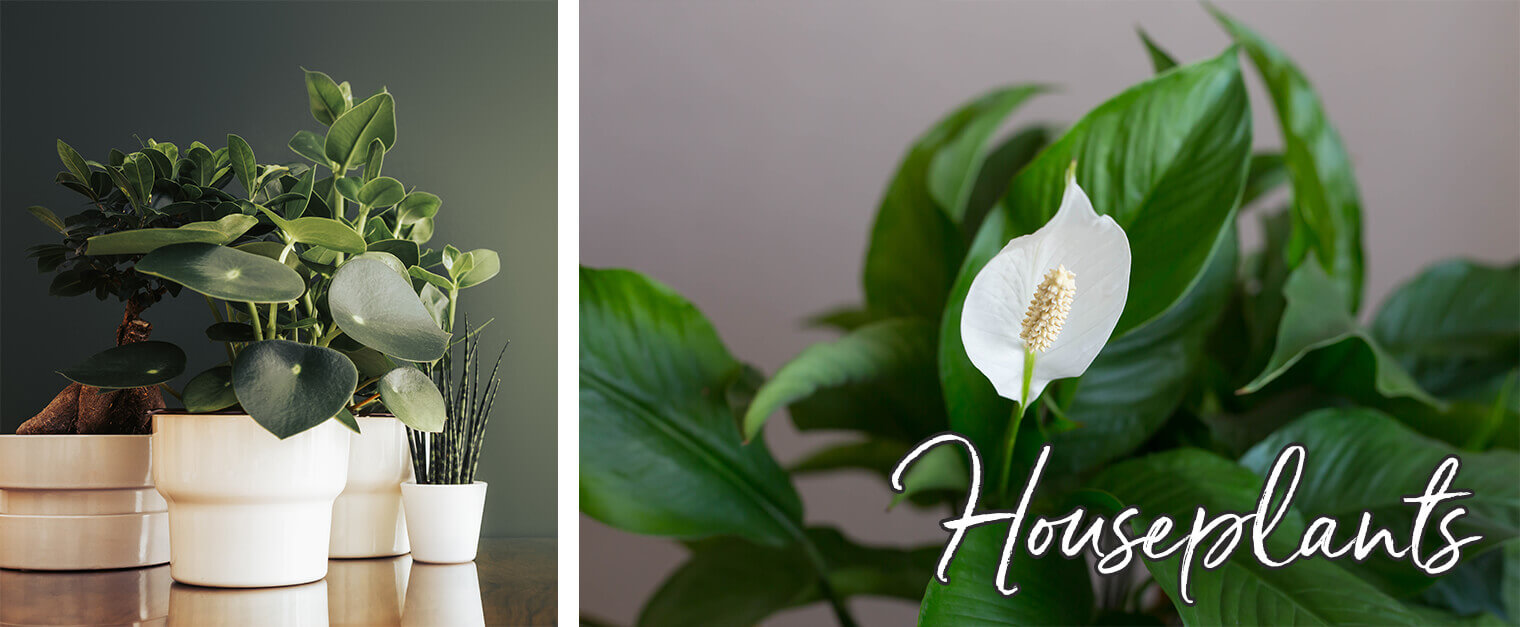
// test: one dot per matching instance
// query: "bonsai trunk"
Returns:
(83, 409)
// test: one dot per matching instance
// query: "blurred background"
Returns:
(737, 152)
(475, 103)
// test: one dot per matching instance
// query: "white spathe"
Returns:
(1096, 252)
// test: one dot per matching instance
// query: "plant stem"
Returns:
(258, 327)
(453, 298)
(1012, 432)
(366, 401)
(171, 391)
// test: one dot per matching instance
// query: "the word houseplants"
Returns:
(1217, 361)
(309, 275)
(444, 504)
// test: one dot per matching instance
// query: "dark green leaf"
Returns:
(997, 173)
(1160, 60)
(225, 273)
(1456, 323)
(660, 448)
(231, 332)
(377, 308)
(243, 163)
(1327, 212)
(374, 161)
(73, 162)
(210, 391)
(1268, 171)
(46, 216)
(1307, 592)
(288, 387)
(403, 250)
(134, 365)
(1052, 590)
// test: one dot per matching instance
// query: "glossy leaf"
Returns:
(74, 163)
(413, 398)
(1173, 198)
(143, 241)
(875, 352)
(1242, 591)
(46, 216)
(377, 308)
(243, 164)
(210, 391)
(348, 138)
(702, 590)
(660, 447)
(1456, 323)
(381, 192)
(1344, 445)
(1052, 590)
(1318, 318)
(289, 387)
(134, 365)
(915, 245)
(309, 145)
(1327, 212)
(998, 170)
(225, 273)
(327, 101)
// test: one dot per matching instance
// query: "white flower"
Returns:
(1046, 304)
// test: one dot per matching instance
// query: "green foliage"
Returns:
(304, 261)
(1221, 357)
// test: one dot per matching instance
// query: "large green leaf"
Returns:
(703, 591)
(1327, 212)
(289, 387)
(1242, 591)
(1137, 381)
(1362, 461)
(1052, 590)
(877, 355)
(226, 273)
(142, 241)
(998, 170)
(327, 100)
(134, 365)
(325, 232)
(373, 305)
(210, 391)
(1349, 360)
(348, 138)
(1456, 323)
(413, 398)
(660, 447)
(1166, 159)
(915, 244)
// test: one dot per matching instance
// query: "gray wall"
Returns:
(738, 151)
(475, 91)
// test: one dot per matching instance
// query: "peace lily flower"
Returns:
(1046, 304)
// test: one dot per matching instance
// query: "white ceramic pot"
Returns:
(444, 520)
(247, 509)
(80, 502)
(367, 517)
(443, 594)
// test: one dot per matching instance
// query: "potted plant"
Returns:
(444, 503)
(310, 282)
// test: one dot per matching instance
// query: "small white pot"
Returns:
(247, 509)
(444, 520)
(80, 502)
(367, 517)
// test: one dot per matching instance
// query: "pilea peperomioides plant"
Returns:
(323, 294)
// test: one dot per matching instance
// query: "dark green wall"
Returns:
(475, 104)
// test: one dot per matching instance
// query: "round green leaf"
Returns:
(382, 192)
(210, 391)
(225, 273)
(377, 308)
(289, 387)
(481, 266)
(413, 398)
(418, 206)
(135, 365)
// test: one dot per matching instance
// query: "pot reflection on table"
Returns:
(370, 592)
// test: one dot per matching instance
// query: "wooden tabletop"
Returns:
(512, 582)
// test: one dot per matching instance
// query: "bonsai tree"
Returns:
(316, 275)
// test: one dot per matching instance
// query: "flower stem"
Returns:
(1012, 433)
(841, 611)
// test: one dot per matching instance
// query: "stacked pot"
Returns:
(80, 502)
